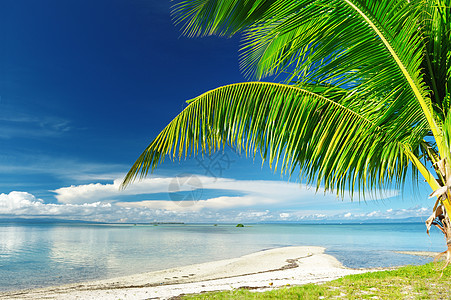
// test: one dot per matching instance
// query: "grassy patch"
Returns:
(410, 282)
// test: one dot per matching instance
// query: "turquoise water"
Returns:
(38, 255)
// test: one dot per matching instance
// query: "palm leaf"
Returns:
(334, 44)
(208, 17)
(437, 35)
(294, 129)
(373, 47)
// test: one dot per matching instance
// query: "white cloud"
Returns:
(219, 209)
(277, 190)
(96, 191)
(372, 214)
(85, 193)
(224, 200)
(15, 201)
(25, 204)
(284, 215)
(218, 203)
(252, 192)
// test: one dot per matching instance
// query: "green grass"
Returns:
(410, 282)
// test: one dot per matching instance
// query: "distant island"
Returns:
(163, 223)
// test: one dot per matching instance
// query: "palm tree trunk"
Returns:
(442, 208)
(440, 219)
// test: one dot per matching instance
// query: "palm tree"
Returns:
(364, 93)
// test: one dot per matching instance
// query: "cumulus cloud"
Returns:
(16, 201)
(25, 204)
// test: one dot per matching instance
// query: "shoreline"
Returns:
(261, 270)
(419, 253)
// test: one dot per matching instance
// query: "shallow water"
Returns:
(38, 255)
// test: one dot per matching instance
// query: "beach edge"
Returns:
(261, 270)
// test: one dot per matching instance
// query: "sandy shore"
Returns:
(262, 270)
(419, 253)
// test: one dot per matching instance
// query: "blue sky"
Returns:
(86, 85)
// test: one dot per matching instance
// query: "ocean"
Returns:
(46, 254)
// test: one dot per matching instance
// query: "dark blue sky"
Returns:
(85, 86)
(100, 78)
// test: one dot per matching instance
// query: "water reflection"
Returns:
(42, 255)
(11, 241)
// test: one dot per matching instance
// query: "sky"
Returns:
(84, 88)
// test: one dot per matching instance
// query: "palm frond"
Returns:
(436, 30)
(374, 47)
(294, 129)
(220, 17)
(371, 46)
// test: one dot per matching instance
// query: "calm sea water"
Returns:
(38, 255)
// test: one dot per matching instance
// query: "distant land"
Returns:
(353, 221)
(66, 221)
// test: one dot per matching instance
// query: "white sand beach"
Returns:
(261, 271)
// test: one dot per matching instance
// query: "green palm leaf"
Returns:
(327, 43)
(208, 17)
(291, 127)
(330, 42)
(437, 61)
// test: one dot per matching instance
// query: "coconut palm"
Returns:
(363, 100)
